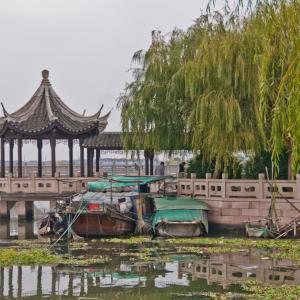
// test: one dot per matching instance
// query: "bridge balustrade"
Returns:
(43, 185)
(240, 188)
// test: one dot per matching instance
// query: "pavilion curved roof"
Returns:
(45, 111)
(104, 141)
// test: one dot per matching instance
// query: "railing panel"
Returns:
(284, 187)
(242, 188)
(200, 187)
(4, 185)
(185, 187)
(20, 185)
(215, 188)
(46, 185)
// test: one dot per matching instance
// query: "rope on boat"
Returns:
(78, 213)
(120, 214)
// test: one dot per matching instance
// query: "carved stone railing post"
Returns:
(224, 177)
(56, 182)
(33, 183)
(208, 177)
(193, 175)
(9, 183)
(261, 179)
(297, 195)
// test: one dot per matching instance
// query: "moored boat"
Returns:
(258, 231)
(179, 217)
(111, 207)
(102, 214)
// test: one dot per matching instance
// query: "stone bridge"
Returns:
(22, 192)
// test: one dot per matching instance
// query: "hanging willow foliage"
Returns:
(229, 83)
(278, 28)
(222, 80)
(150, 120)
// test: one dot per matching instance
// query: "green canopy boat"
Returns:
(180, 217)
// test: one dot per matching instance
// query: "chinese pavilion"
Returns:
(46, 117)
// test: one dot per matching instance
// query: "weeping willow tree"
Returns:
(194, 90)
(151, 119)
(275, 25)
(227, 84)
(222, 82)
(279, 75)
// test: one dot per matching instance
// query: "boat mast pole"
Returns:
(111, 197)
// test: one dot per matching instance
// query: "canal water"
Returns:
(128, 275)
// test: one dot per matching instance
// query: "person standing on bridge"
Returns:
(160, 169)
(181, 169)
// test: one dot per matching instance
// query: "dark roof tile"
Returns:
(104, 141)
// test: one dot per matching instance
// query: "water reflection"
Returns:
(18, 230)
(234, 269)
(13, 229)
(140, 280)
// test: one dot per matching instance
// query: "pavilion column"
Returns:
(40, 146)
(92, 162)
(97, 160)
(146, 155)
(11, 157)
(20, 145)
(90, 157)
(53, 157)
(81, 160)
(70, 143)
(2, 157)
(87, 162)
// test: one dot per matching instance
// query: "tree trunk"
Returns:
(290, 171)
(218, 169)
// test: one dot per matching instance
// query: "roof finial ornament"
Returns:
(4, 110)
(99, 111)
(45, 74)
(5, 113)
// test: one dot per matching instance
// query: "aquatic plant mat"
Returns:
(197, 268)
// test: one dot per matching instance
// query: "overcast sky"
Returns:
(86, 45)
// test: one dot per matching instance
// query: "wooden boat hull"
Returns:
(101, 224)
(179, 229)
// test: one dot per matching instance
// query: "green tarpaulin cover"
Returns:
(180, 209)
(106, 185)
(123, 181)
(179, 203)
(138, 179)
